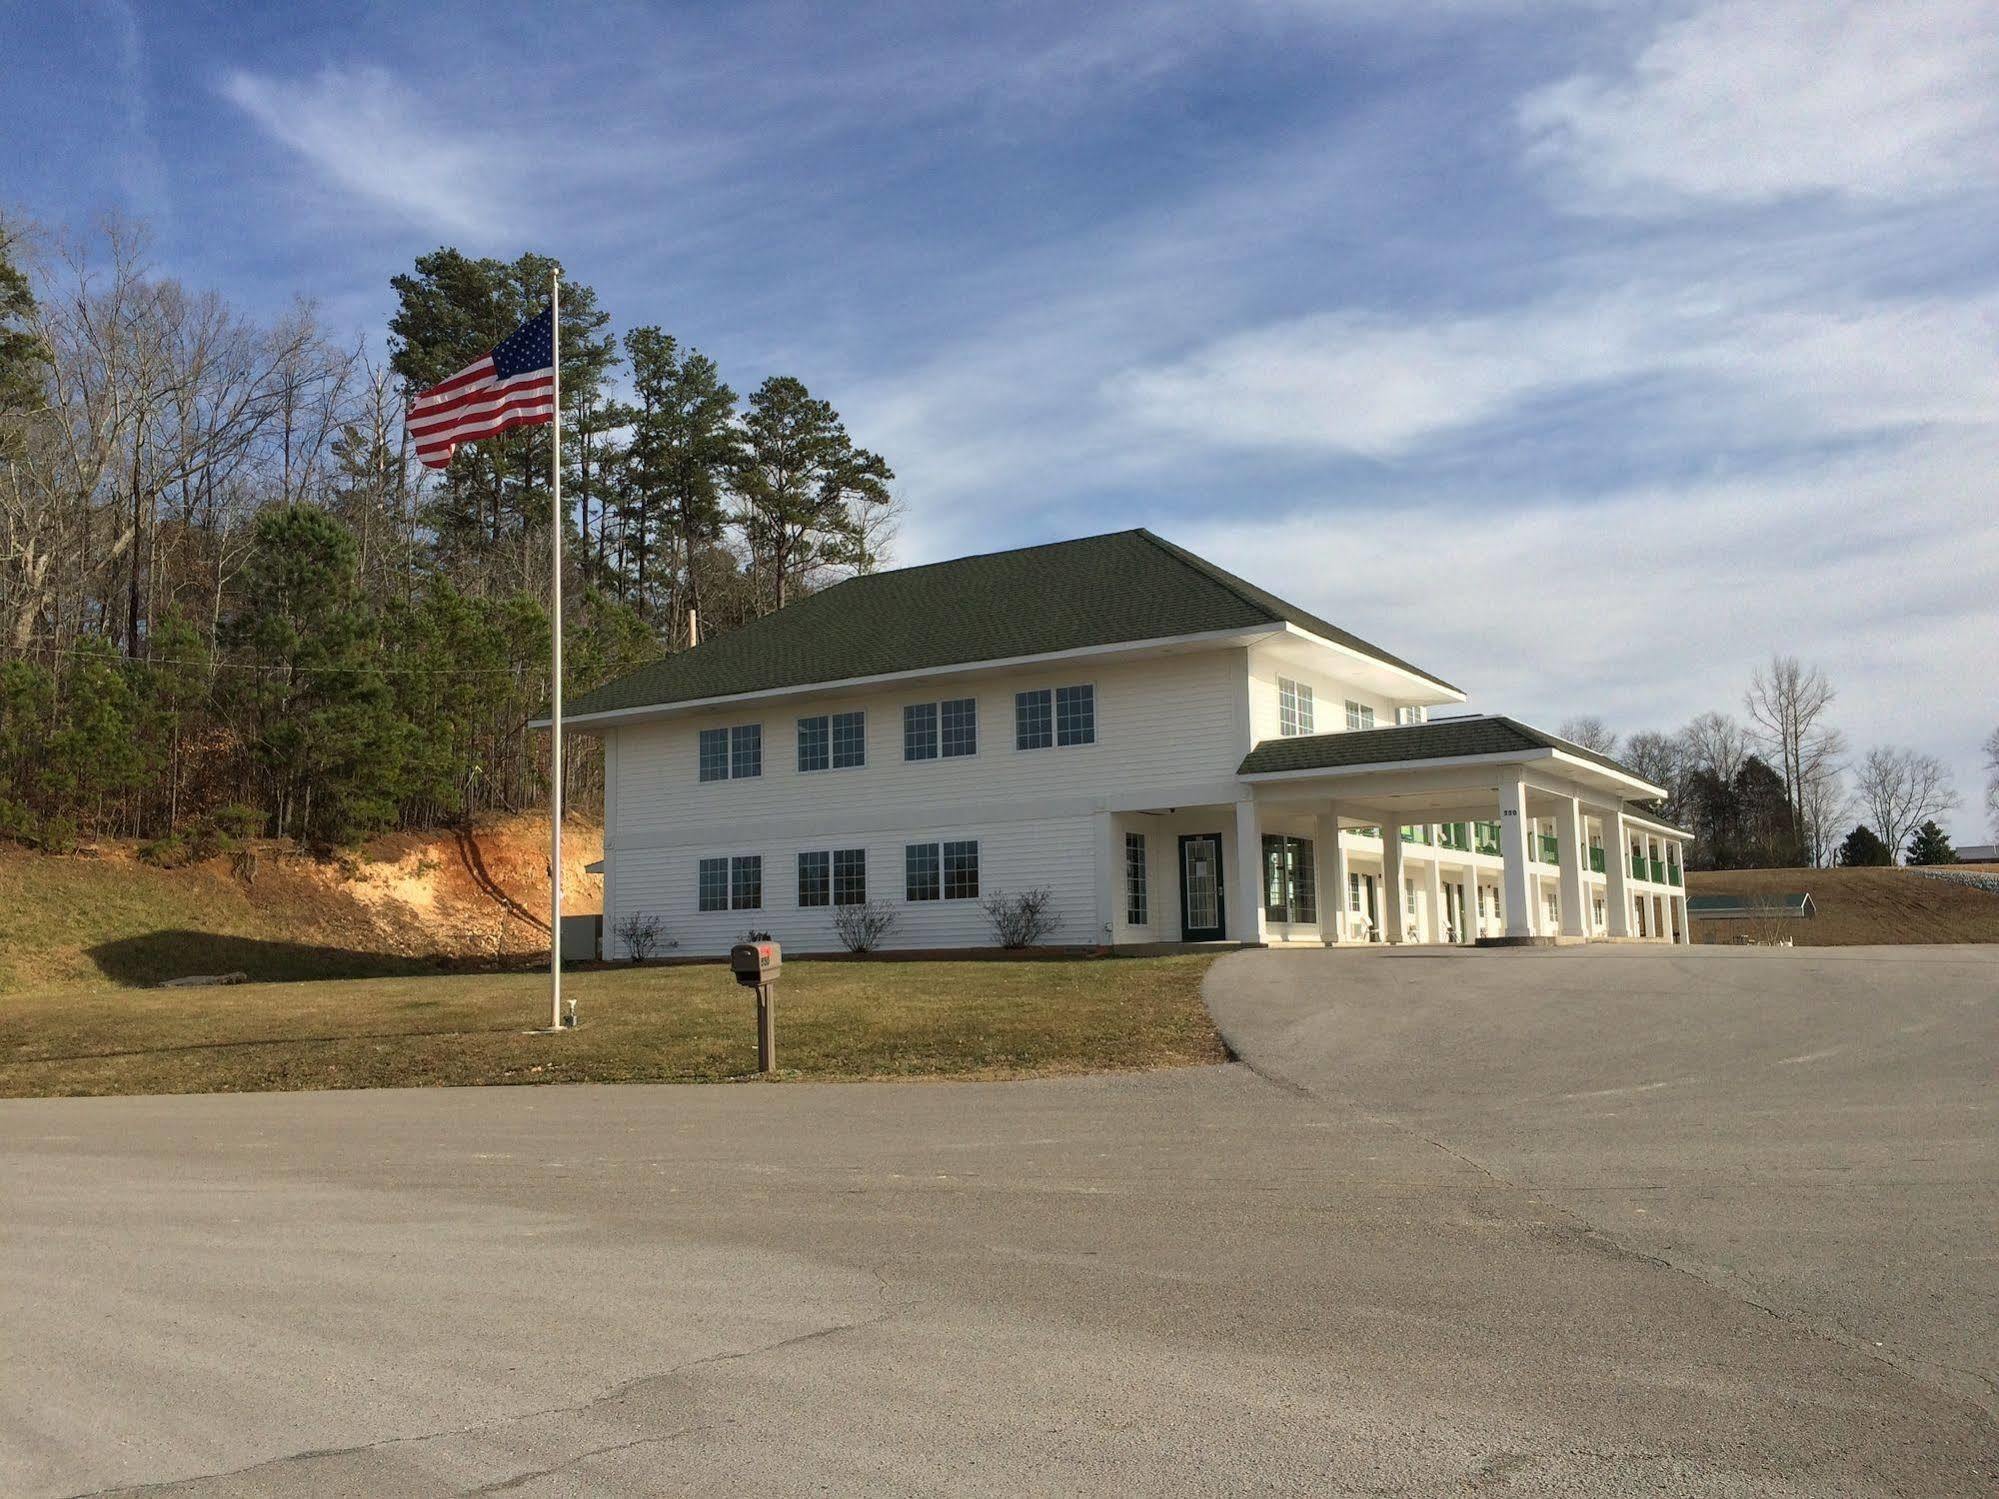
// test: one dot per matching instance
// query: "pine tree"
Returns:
(685, 446)
(1862, 849)
(315, 711)
(803, 487)
(1929, 846)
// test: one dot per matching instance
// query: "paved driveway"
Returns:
(1199, 1282)
(1815, 1131)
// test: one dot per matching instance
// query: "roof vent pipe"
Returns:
(693, 629)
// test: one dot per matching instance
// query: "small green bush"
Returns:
(170, 852)
(57, 835)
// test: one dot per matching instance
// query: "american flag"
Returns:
(514, 386)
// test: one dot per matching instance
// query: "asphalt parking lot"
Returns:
(1605, 1222)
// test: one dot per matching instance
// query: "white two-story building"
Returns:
(1176, 755)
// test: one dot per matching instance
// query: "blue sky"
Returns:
(1584, 352)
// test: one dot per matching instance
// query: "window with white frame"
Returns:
(941, 871)
(1135, 904)
(949, 729)
(733, 882)
(1294, 707)
(815, 878)
(850, 876)
(919, 731)
(836, 877)
(1059, 716)
(1359, 715)
(833, 741)
(1417, 714)
(1076, 715)
(732, 754)
(958, 727)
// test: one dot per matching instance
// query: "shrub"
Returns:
(861, 928)
(753, 935)
(641, 934)
(1021, 919)
(58, 835)
(170, 852)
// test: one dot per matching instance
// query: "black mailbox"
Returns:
(756, 963)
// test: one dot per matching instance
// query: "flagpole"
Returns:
(555, 673)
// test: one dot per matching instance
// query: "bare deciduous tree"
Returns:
(1590, 732)
(1992, 782)
(1660, 758)
(1787, 702)
(1715, 743)
(1900, 788)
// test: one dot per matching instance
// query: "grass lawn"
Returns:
(684, 1024)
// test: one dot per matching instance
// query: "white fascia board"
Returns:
(1389, 767)
(1216, 638)
(1642, 789)
(1429, 683)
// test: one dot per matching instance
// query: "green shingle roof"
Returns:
(1443, 739)
(1099, 590)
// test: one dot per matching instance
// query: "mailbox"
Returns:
(756, 963)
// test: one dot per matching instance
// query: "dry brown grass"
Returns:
(1856, 906)
(684, 1024)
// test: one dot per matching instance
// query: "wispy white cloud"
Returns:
(1652, 602)
(1756, 101)
(1379, 387)
(366, 132)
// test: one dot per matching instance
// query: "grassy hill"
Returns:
(104, 919)
(1857, 906)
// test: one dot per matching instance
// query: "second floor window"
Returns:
(836, 741)
(1359, 715)
(1058, 716)
(732, 754)
(948, 729)
(1294, 707)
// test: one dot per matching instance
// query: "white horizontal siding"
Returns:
(1164, 723)
(1330, 694)
(1056, 853)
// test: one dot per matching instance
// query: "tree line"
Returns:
(231, 602)
(1781, 787)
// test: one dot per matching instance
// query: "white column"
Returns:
(1616, 875)
(1333, 878)
(1394, 921)
(1517, 882)
(1110, 876)
(1470, 930)
(1572, 848)
(1436, 892)
(1246, 898)
(1686, 922)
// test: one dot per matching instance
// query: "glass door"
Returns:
(1201, 887)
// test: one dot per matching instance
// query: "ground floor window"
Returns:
(941, 871)
(1290, 890)
(837, 877)
(733, 882)
(1134, 879)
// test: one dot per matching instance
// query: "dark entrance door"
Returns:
(1200, 887)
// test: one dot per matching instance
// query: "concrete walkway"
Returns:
(1197, 1282)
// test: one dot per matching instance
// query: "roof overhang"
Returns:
(1442, 776)
(1167, 645)
(1371, 671)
